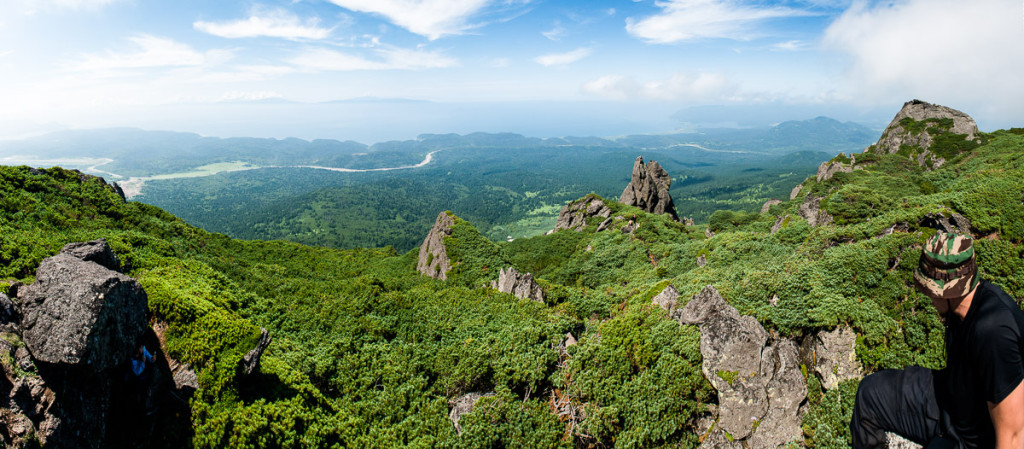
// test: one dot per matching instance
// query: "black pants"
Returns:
(903, 402)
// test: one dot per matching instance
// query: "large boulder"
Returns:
(81, 313)
(833, 356)
(760, 387)
(520, 285)
(433, 260)
(575, 214)
(811, 211)
(9, 315)
(916, 126)
(648, 189)
(94, 251)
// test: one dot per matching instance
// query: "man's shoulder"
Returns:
(997, 310)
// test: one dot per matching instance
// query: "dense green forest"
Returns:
(368, 353)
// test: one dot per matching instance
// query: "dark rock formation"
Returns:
(251, 362)
(94, 251)
(520, 285)
(463, 405)
(811, 211)
(27, 408)
(896, 136)
(433, 259)
(760, 387)
(574, 215)
(768, 205)
(648, 189)
(81, 313)
(120, 192)
(9, 315)
(947, 221)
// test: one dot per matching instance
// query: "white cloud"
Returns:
(555, 33)
(684, 20)
(152, 52)
(322, 59)
(430, 18)
(566, 58)
(960, 53)
(266, 22)
(678, 87)
(789, 46)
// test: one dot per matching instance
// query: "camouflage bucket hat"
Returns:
(948, 269)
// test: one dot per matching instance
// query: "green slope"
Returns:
(367, 353)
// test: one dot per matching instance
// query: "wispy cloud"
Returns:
(680, 86)
(269, 23)
(555, 33)
(566, 58)
(322, 59)
(430, 18)
(789, 46)
(150, 52)
(685, 20)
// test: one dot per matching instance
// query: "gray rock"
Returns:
(811, 211)
(760, 387)
(433, 260)
(251, 362)
(575, 214)
(667, 299)
(894, 441)
(834, 357)
(895, 136)
(520, 285)
(708, 233)
(687, 221)
(702, 261)
(604, 224)
(779, 222)
(768, 205)
(80, 313)
(94, 251)
(796, 191)
(648, 189)
(463, 405)
(9, 315)
(828, 169)
(27, 408)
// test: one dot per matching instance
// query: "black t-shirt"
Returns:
(984, 363)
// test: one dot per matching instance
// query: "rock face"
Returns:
(251, 362)
(574, 215)
(954, 222)
(80, 322)
(779, 223)
(811, 211)
(768, 205)
(463, 405)
(95, 251)
(833, 356)
(520, 285)
(760, 387)
(898, 136)
(433, 259)
(648, 189)
(81, 313)
(667, 299)
(828, 169)
(9, 314)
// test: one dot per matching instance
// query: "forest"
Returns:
(367, 352)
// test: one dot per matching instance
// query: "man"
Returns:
(977, 401)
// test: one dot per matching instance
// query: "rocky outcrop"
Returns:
(915, 127)
(667, 299)
(648, 189)
(463, 405)
(433, 260)
(94, 251)
(796, 191)
(811, 211)
(81, 313)
(760, 387)
(575, 214)
(768, 205)
(251, 362)
(947, 221)
(80, 322)
(828, 169)
(780, 223)
(833, 356)
(520, 285)
(9, 315)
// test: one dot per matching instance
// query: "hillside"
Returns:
(367, 352)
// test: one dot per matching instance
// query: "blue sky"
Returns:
(600, 67)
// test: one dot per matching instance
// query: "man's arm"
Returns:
(1008, 419)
